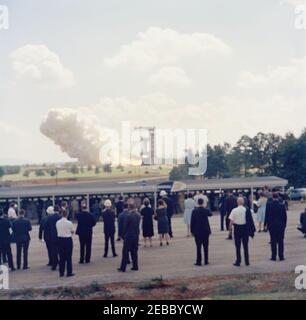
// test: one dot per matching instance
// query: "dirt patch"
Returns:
(252, 286)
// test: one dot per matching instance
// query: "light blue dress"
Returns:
(189, 206)
(261, 212)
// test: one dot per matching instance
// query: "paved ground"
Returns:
(170, 262)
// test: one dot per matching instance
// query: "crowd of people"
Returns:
(56, 228)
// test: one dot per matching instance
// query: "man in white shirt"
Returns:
(238, 220)
(65, 244)
(12, 211)
(200, 195)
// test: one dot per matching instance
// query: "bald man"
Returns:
(242, 221)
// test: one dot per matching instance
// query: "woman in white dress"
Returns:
(189, 206)
(261, 212)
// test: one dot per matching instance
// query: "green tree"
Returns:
(107, 168)
(292, 155)
(26, 173)
(74, 169)
(52, 172)
(1, 172)
(179, 172)
(217, 161)
(244, 153)
(39, 173)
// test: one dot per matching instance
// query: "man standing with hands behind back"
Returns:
(65, 231)
(276, 222)
(131, 237)
(21, 227)
(86, 222)
(201, 231)
(242, 221)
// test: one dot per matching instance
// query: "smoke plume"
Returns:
(77, 134)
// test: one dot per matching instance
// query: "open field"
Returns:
(172, 268)
(127, 172)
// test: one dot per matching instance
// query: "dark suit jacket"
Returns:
(131, 225)
(21, 228)
(5, 225)
(121, 219)
(230, 204)
(276, 216)
(119, 207)
(44, 232)
(303, 221)
(250, 223)
(221, 204)
(50, 226)
(169, 204)
(108, 217)
(199, 222)
(86, 222)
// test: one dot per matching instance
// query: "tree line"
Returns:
(261, 155)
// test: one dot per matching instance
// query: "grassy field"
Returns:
(267, 286)
(126, 172)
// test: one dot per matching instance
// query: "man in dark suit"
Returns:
(44, 233)
(50, 227)
(121, 220)
(108, 217)
(119, 208)
(131, 237)
(221, 205)
(21, 228)
(201, 231)
(86, 221)
(230, 204)
(275, 223)
(5, 241)
(170, 210)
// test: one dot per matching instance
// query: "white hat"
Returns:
(163, 193)
(107, 203)
(50, 210)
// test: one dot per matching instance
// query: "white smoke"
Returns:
(77, 134)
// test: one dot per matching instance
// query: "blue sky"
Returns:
(106, 57)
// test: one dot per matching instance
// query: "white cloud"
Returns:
(164, 47)
(39, 65)
(170, 76)
(287, 77)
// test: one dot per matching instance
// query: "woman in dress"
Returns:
(189, 206)
(162, 222)
(261, 212)
(147, 222)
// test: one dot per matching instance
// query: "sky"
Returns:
(232, 67)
